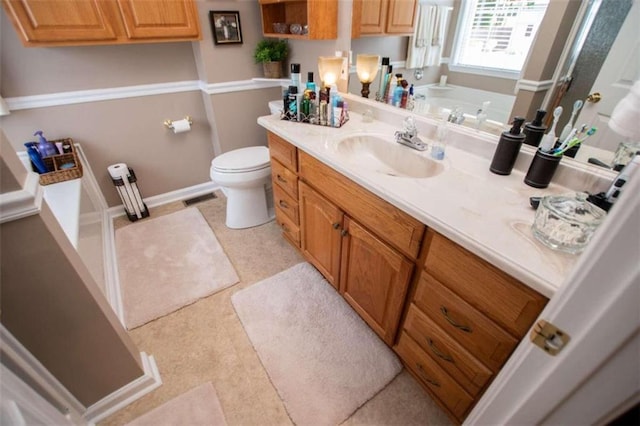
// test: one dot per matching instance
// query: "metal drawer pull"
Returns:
(344, 233)
(336, 225)
(283, 204)
(281, 179)
(423, 374)
(464, 328)
(437, 351)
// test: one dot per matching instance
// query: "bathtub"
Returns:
(435, 100)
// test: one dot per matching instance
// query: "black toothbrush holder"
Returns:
(542, 168)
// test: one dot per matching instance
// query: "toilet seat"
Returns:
(242, 160)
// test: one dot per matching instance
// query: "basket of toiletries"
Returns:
(56, 161)
(319, 107)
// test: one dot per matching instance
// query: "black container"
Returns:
(535, 130)
(542, 169)
(508, 148)
(571, 152)
(292, 104)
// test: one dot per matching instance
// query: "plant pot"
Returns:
(272, 69)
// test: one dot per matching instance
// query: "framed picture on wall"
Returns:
(225, 26)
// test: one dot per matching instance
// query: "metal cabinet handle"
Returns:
(344, 232)
(283, 204)
(281, 179)
(424, 376)
(437, 351)
(336, 225)
(464, 328)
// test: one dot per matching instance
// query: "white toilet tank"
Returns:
(276, 106)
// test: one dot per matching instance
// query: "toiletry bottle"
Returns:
(285, 104)
(508, 148)
(292, 103)
(387, 84)
(45, 148)
(383, 76)
(312, 90)
(534, 131)
(396, 93)
(295, 77)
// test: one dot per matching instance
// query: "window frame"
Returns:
(464, 17)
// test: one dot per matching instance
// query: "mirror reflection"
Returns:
(593, 47)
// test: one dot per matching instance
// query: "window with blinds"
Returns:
(495, 36)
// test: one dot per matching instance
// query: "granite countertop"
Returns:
(486, 213)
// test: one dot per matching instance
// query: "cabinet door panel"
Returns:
(320, 226)
(60, 21)
(144, 19)
(374, 279)
(372, 18)
(401, 16)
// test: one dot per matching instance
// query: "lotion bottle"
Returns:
(508, 148)
(534, 131)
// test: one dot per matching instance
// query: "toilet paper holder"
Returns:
(169, 123)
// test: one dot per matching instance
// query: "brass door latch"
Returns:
(549, 337)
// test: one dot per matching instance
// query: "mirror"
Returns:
(599, 22)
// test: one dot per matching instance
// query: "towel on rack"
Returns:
(425, 45)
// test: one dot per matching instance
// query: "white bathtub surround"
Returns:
(488, 214)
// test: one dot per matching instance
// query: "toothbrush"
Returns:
(549, 139)
(566, 140)
(567, 128)
(573, 142)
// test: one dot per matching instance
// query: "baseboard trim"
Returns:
(127, 394)
(112, 279)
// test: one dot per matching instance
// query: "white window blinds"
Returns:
(497, 34)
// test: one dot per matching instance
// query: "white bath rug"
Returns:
(199, 406)
(324, 361)
(169, 262)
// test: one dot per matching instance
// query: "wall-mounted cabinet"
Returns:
(320, 16)
(86, 22)
(380, 17)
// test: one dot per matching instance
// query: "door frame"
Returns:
(597, 303)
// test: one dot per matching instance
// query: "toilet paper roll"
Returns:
(181, 126)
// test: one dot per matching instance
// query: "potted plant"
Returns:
(271, 53)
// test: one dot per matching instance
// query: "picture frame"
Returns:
(225, 26)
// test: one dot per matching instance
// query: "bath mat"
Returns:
(169, 262)
(322, 358)
(199, 406)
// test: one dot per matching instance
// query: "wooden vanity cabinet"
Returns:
(379, 17)
(321, 17)
(464, 318)
(88, 22)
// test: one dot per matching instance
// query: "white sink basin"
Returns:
(383, 155)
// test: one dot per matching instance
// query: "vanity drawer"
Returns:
(489, 343)
(290, 230)
(434, 378)
(499, 296)
(453, 358)
(287, 204)
(284, 178)
(398, 228)
(283, 151)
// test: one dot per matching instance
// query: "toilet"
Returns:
(244, 176)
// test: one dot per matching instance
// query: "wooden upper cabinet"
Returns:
(379, 17)
(60, 21)
(87, 22)
(321, 17)
(144, 19)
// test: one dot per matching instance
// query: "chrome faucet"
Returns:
(409, 135)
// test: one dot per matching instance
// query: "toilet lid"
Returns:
(242, 160)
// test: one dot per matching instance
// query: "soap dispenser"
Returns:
(535, 130)
(45, 148)
(508, 148)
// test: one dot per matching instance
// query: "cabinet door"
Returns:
(148, 19)
(60, 21)
(321, 227)
(401, 16)
(373, 16)
(374, 279)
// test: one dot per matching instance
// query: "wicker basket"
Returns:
(57, 162)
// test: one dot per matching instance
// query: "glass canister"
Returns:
(566, 222)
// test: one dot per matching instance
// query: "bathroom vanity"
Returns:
(443, 268)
